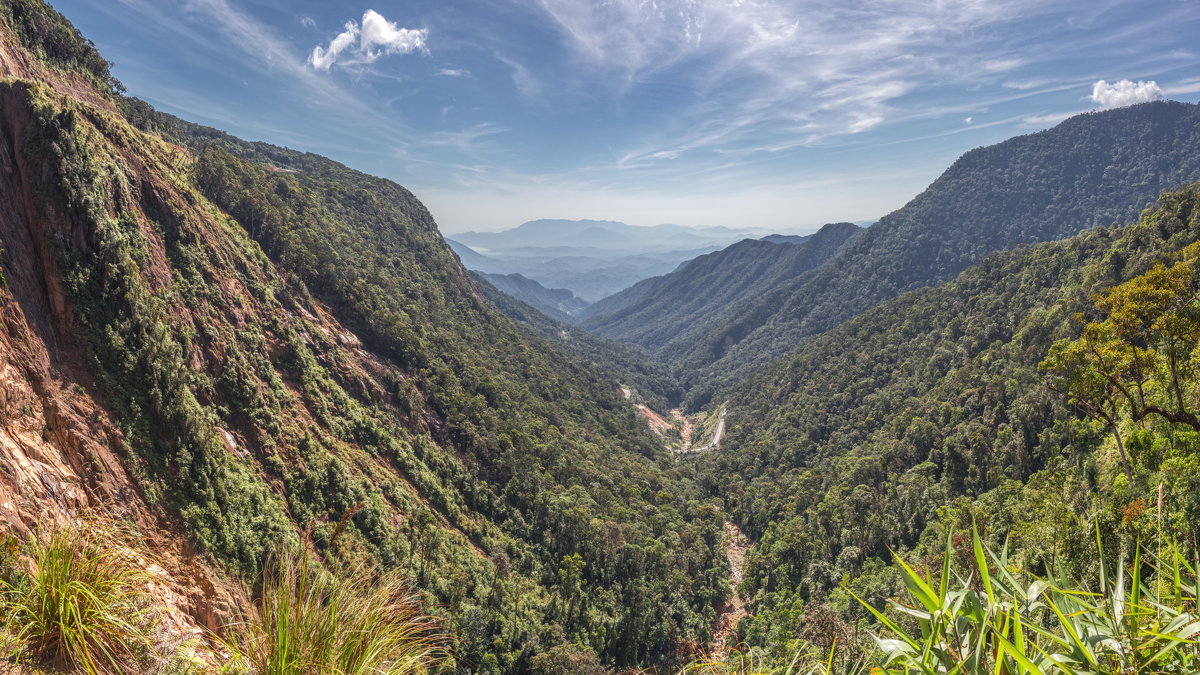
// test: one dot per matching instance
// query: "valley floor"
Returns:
(737, 545)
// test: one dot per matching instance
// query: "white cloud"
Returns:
(308, 22)
(1123, 93)
(323, 58)
(454, 72)
(968, 120)
(381, 37)
(863, 123)
(1024, 85)
(376, 37)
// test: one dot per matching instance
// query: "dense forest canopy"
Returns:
(296, 381)
(1096, 169)
(934, 409)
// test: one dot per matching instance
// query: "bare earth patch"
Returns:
(725, 633)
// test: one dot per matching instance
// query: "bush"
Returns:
(76, 597)
(1139, 618)
(308, 620)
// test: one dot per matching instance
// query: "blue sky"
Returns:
(777, 114)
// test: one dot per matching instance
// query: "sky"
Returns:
(776, 114)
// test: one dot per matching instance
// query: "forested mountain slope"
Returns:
(625, 364)
(652, 312)
(557, 303)
(1093, 169)
(865, 435)
(247, 357)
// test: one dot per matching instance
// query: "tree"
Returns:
(1139, 360)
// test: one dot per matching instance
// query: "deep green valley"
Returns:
(258, 416)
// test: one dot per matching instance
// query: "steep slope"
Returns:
(626, 365)
(557, 303)
(652, 312)
(242, 357)
(472, 260)
(1093, 169)
(62, 450)
(865, 435)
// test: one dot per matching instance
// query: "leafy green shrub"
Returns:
(308, 620)
(1140, 619)
(49, 36)
(76, 597)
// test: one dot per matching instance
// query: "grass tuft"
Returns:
(309, 620)
(75, 597)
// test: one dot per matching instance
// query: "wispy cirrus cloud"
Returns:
(787, 73)
(1188, 86)
(1046, 120)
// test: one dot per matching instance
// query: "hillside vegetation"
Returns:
(931, 410)
(627, 365)
(289, 355)
(653, 311)
(1092, 170)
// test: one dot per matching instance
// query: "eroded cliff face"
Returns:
(62, 455)
(184, 326)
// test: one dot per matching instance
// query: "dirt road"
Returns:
(714, 443)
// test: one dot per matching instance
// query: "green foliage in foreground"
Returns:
(77, 597)
(983, 614)
(908, 422)
(353, 623)
(1136, 618)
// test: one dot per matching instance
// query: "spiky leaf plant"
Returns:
(993, 621)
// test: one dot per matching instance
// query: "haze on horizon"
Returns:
(771, 114)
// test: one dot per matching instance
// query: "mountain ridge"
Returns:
(652, 311)
(1092, 169)
(559, 304)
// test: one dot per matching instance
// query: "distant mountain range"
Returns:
(654, 310)
(1093, 169)
(591, 258)
(557, 303)
(602, 235)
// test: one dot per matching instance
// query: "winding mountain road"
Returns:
(716, 439)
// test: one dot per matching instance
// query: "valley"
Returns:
(258, 415)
